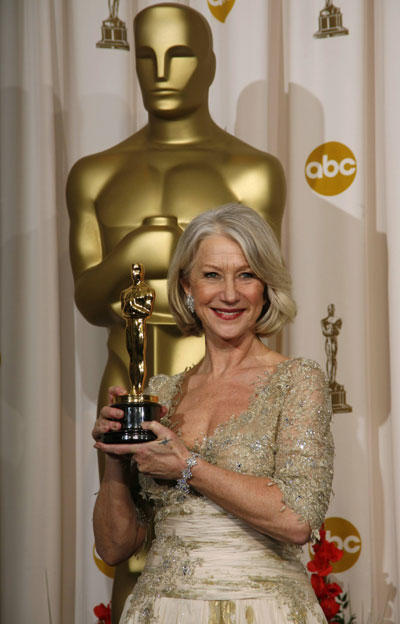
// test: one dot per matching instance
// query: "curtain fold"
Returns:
(387, 20)
(30, 322)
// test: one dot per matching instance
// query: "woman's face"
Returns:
(228, 297)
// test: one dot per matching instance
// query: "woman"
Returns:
(240, 474)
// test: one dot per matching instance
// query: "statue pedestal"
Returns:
(114, 35)
(338, 397)
(330, 23)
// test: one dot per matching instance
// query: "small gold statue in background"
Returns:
(330, 22)
(113, 30)
(331, 326)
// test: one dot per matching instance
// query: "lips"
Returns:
(228, 315)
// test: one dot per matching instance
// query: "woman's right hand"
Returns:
(106, 420)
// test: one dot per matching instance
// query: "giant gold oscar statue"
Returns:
(132, 201)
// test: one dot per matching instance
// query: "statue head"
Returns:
(137, 273)
(175, 61)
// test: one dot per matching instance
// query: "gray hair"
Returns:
(261, 249)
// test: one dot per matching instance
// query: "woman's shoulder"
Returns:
(296, 369)
(165, 387)
(162, 381)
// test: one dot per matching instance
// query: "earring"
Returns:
(189, 302)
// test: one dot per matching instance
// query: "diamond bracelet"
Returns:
(182, 483)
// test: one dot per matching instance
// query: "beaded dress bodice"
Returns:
(201, 551)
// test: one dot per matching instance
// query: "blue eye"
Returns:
(211, 275)
(247, 275)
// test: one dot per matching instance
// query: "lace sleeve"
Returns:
(304, 445)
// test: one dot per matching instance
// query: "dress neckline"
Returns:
(202, 438)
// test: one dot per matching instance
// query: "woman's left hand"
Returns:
(163, 458)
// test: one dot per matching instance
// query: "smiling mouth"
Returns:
(228, 315)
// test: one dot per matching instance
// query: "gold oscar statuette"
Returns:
(331, 326)
(137, 303)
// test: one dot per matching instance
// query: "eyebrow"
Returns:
(216, 266)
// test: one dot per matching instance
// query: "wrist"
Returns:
(117, 464)
(182, 483)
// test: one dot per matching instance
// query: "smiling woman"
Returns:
(240, 473)
(227, 296)
(253, 244)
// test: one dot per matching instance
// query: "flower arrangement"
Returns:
(103, 613)
(331, 597)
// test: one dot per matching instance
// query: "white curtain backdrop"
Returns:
(283, 91)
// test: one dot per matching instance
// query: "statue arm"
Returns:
(98, 276)
(275, 194)
(263, 187)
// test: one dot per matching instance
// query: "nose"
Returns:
(229, 293)
(161, 68)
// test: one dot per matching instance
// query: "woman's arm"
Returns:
(256, 500)
(117, 531)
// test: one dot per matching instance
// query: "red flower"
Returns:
(329, 550)
(333, 589)
(320, 565)
(325, 553)
(103, 613)
(330, 607)
(318, 585)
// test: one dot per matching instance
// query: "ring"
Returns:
(165, 441)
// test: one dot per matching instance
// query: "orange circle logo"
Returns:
(347, 538)
(220, 8)
(103, 567)
(331, 168)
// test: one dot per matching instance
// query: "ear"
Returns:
(267, 301)
(185, 285)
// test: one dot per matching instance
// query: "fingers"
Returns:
(164, 436)
(115, 449)
(108, 413)
(159, 430)
(162, 458)
(114, 392)
(107, 421)
(164, 411)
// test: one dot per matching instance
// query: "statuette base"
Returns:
(137, 409)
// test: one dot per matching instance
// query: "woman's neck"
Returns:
(224, 356)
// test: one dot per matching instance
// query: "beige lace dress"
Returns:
(206, 566)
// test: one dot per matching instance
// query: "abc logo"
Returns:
(103, 567)
(330, 168)
(220, 8)
(346, 537)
